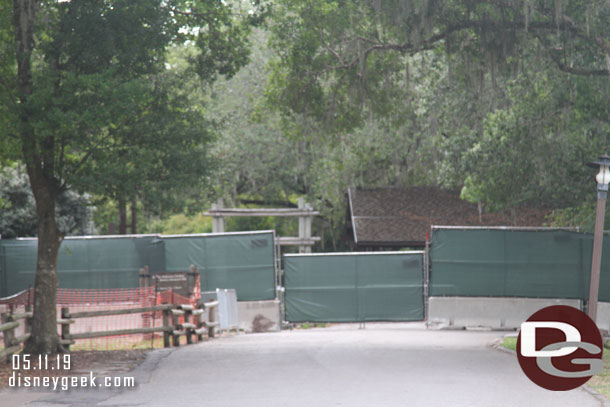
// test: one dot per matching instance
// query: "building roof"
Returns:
(403, 216)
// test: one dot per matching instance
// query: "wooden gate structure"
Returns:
(304, 212)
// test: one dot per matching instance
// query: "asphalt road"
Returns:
(382, 365)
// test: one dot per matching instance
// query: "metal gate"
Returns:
(354, 287)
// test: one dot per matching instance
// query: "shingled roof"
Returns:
(402, 216)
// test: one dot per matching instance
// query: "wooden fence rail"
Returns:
(193, 325)
(8, 323)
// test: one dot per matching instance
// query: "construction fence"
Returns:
(86, 300)
(244, 261)
(514, 262)
(493, 262)
(329, 287)
(354, 287)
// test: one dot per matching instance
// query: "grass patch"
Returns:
(510, 342)
(112, 345)
(309, 325)
(108, 344)
(601, 382)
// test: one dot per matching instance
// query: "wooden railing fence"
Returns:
(8, 324)
(193, 325)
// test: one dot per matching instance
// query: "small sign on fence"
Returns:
(177, 281)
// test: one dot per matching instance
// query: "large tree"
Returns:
(338, 57)
(165, 154)
(504, 98)
(70, 77)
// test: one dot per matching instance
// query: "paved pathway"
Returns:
(382, 365)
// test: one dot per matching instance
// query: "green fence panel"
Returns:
(510, 263)
(99, 263)
(243, 261)
(18, 264)
(320, 288)
(544, 264)
(604, 283)
(470, 266)
(354, 287)
(390, 287)
(151, 251)
(181, 252)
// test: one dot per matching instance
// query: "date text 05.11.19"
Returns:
(41, 362)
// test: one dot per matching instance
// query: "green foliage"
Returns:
(338, 61)
(101, 110)
(504, 100)
(85, 98)
(282, 226)
(534, 150)
(163, 149)
(182, 224)
(582, 216)
(264, 157)
(18, 218)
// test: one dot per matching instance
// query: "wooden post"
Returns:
(598, 236)
(28, 320)
(166, 326)
(212, 318)
(214, 219)
(191, 278)
(9, 334)
(301, 202)
(144, 277)
(65, 328)
(304, 227)
(199, 320)
(175, 322)
(218, 222)
(308, 221)
(189, 332)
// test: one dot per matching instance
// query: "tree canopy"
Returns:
(505, 99)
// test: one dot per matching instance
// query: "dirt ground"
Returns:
(82, 362)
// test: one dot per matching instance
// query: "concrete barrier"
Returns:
(496, 313)
(259, 316)
(603, 315)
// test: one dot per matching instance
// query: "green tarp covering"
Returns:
(82, 263)
(244, 261)
(17, 265)
(384, 286)
(541, 263)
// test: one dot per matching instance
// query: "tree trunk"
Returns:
(44, 337)
(39, 162)
(134, 210)
(122, 217)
